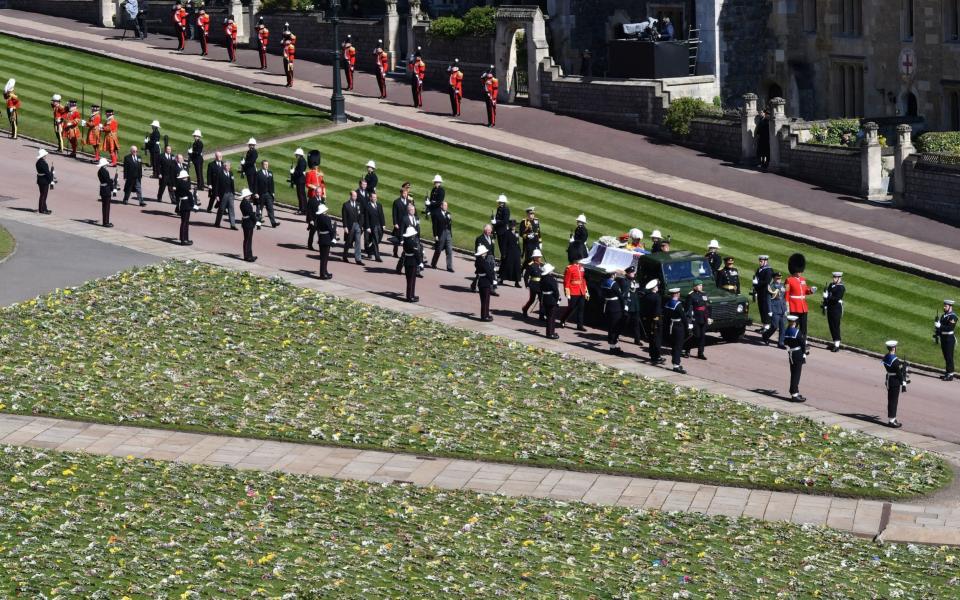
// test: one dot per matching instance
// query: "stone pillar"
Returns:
(243, 28)
(748, 129)
(109, 10)
(903, 151)
(778, 119)
(411, 22)
(391, 27)
(871, 163)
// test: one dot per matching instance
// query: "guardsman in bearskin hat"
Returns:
(71, 126)
(59, 112)
(797, 290)
(230, 33)
(491, 90)
(263, 38)
(111, 137)
(203, 23)
(13, 107)
(316, 192)
(383, 66)
(94, 130)
(349, 60)
(456, 87)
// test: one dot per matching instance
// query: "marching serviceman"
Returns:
(484, 239)
(106, 190)
(180, 25)
(833, 307)
(371, 176)
(248, 222)
(226, 190)
(94, 129)
(456, 87)
(511, 265)
(796, 343)
(532, 275)
(203, 24)
(214, 168)
(13, 107)
(761, 281)
(298, 179)
(491, 89)
(196, 157)
(577, 249)
(326, 237)
(778, 310)
(351, 214)
(230, 33)
(151, 144)
(411, 220)
(675, 314)
(419, 72)
(944, 330)
(248, 164)
(699, 306)
(631, 303)
(59, 112)
(651, 309)
(612, 295)
(349, 60)
(411, 262)
(550, 294)
(713, 257)
(374, 223)
(500, 222)
(530, 233)
(184, 201)
(111, 137)
(263, 38)
(486, 280)
(432, 204)
(316, 192)
(797, 290)
(896, 380)
(168, 176)
(575, 289)
(443, 236)
(132, 176)
(729, 277)
(265, 194)
(45, 181)
(399, 213)
(383, 66)
(72, 125)
(289, 55)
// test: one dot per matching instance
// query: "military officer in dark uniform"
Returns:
(729, 277)
(698, 304)
(106, 191)
(530, 234)
(248, 223)
(833, 307)
(944, 332)
(550, 292)
(374, 222)
(895, 380)
(265, 193)
(411, 262)
(168, 175)
(761, 281)
(326, 237)
(151, 144)
(132, 176)
(196, 157)
(611, 294)
(298, 180)
(371, 176)
(532, 276)
(796, 344)
(44, 181)
(184, 199)
(484, 239)
(675, 315)
(631, 303)
(656, 241)
(399, 213)
(432, 204)
(248, 164)
(651, 310)
(486, 280)
(577, 250)
(501, 222)
(713, 257)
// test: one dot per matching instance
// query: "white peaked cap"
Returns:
(792, 318)
(155, 123)
(371, 164)
(674, 290)
(547, 269)
(322, 209)
(656, 233)
(714, 244)
(636, 234)
(244, 193)
(838, 273)
(103, 162)
(481, 250)
(41, 153)
(891, 343)
(652, 284)
(581, 219)
(298, 152)
(537, 254)
(10, 85)
(410, 232)
(196, 133)
(502, 199)
(183, 174)
(55, 98)
(437, 179)
(252, 142)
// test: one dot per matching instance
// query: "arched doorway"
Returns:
(909, 105)
(912, 109)
(509, 20)
(774, 91)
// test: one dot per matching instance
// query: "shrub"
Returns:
(681, 111)
(446, 27)
(480, 21)
(832, 133)
(943, 142)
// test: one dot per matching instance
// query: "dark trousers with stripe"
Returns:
(893, 395)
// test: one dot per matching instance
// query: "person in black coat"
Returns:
(763, 139)
(248, 164)
(371, 176)
(532, 275)
(106, 191)
(196, 157)
(486, 280)
(313, 205)
(698, 306)
(399, 213)
(151, 144)
(352, 216)
(550, 293)
(577, 250)
(432, 204)
(132, 176)
(265, 193)
(500, 221)
(411, 220)
(298, 180)
(44, 181)
(510, 269)
(184, 198)
(226, 188)
(374, 222)
(411, 262)
(363, 192)
(214, 168)
(248, 223)
(651, 311)
(326, 237)
(675, 316)
(485, 239)
(168, 175)
(443, 235)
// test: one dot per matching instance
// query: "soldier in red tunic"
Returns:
(230, 32)
(797, 290)
(456, 87)
(349, 60)
(71, 126)
(13, 107)
(383, 65)
(180, 25)
(203, 23)
(419, 73)
(59, 112)
(111, 137)
(263, 37)
(491, 89)
(93, 130)
(289, 54)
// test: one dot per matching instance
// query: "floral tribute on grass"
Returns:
(192, 346)
(75, 525)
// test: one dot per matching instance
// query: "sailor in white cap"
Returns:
(611, 295)
(432, 205)
(371, 176)
(656, 239)
(577, 249)
(196, 159)
(675, 316)
(944, 330)
(833, 307)
(248, 164)
(651, 311)
(796, 344)
(501, 222)
(248, 222)
(45, 180)
(132, 176)
(713, 257)
(326, 237)
(486, 279)
(532, 274)
(13, 107)
(761, 280)
(411, 262)
(106, 190)
(530, 234)
(549, 291)
(183, 197)
(298, 179)
(635, 240)
(896, 381)
(151, 144)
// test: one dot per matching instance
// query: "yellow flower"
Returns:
(527, 543)
(266, 558)
(67, 472)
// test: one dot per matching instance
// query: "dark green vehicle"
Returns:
(730, 311)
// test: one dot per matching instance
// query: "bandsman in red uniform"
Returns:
(289, 55)
(491, 89)
(797, 290)
(180, 25)
(111, 137)
(419, 72)
(349, 60)
(383, 65)
(59, 112)
(230, 33)
(13, 107)
(71, 126)
(203, 24)
(456, 87)
(263, 37)
(93, 130)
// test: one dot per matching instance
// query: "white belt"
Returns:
(947, 333)
(675, 320)
(547, 293)
(797, 297)
(611, 299)
(793, 349)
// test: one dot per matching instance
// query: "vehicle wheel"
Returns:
(732, 334)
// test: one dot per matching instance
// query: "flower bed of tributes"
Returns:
(76, 525)
(192, 346)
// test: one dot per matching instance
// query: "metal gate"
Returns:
(520, 84)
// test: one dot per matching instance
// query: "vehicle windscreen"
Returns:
(674, 272)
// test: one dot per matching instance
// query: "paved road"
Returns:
(844, 383)
(685, 175)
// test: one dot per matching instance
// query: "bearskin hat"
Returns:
(797, 263)
(313, 159)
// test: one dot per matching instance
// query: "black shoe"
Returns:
(679, 369)
(419, 275)
(494, 294)
(562, 324)
(487, 319)
(581, 328)
(360, 262)
(450, 270)
(46, 212)
(797, 398)
(517, 284)
(378, 259)
(659, 361)
(554, 337)
(895, 424)
(233, 227)
(781, 347)
(685, 354)
(766, 342)
(143, 204)
(187, 243)
(415, 299)
(399, 270)
(108, 224)
(947, 377)
(702, 356)
(126, 202)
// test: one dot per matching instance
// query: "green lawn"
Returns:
(7, 243)
(76, 525)
(881, 303)
(192, 346)
(140, 95)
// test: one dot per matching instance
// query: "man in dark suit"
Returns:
(132, 176)
(443, 236)
(44, 181)
(399, 213)
(485, 239)
(265, 193)
(248, 164)
(352, 216)
(298, 180)
(363, 193)
(168, 176)
(226, 188)
(106, 190)
(248, 223)
(213, 178)
(374, 222)
(196, 157)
